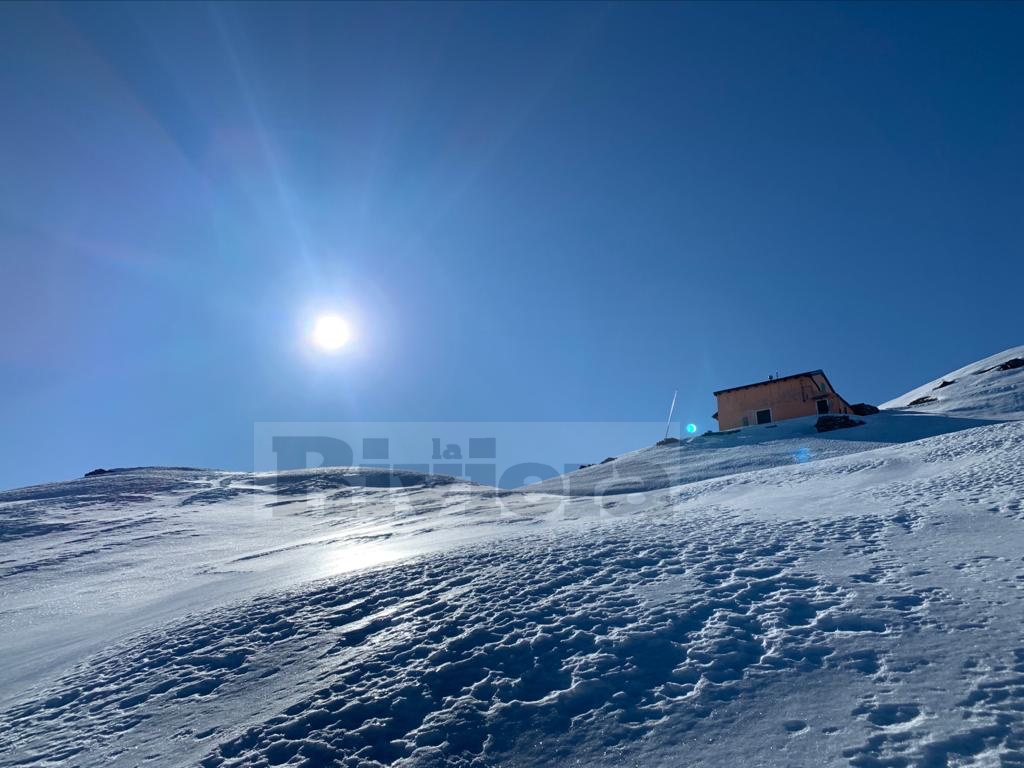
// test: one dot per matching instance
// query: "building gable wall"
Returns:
(787, 398)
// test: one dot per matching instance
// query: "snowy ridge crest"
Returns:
(989, 388)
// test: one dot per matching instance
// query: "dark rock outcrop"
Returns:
(923, 400)
(864, 409)
(831, 422)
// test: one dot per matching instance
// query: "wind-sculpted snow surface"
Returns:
(863, 610)
(601, 635)
(91, 560)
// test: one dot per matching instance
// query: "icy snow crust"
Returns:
(859, 606)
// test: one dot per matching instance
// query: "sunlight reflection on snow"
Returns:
(353, 558)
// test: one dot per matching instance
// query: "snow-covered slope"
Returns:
(989, 388)
(978, 394)
(790, 442)
(856, 609)
(86, 561)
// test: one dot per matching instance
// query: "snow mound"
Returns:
(991, 388)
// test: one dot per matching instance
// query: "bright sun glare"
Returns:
(331, 332)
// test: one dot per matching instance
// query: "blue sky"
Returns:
(528, 212)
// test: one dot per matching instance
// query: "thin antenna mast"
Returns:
(671, 410)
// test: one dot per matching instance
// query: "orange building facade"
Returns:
(778, 399)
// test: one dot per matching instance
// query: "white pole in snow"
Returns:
(671, 410)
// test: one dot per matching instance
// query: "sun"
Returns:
(331, 332)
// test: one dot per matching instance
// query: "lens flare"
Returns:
(691, 428)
